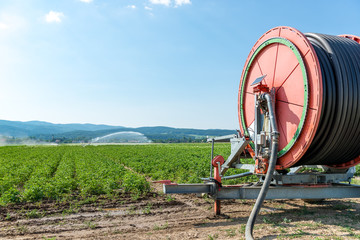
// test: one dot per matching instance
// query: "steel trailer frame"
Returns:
(284, 185)
(293, 185)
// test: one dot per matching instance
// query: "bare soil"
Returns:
(180, 217)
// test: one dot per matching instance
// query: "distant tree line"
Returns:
(155, 134)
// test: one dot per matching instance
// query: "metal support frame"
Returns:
(314, 178)
(225, 138)
(274, 192)
(291, 185)
(237, 147)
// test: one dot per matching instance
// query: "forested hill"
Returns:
(33, 128)
(46, 131)
(155, 134)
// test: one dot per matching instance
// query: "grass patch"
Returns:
(161, 227)
(90, 224)
(34, 214)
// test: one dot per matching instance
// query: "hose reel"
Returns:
(298, 105)
(317, 82)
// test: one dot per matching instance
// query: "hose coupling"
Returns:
(275, 136)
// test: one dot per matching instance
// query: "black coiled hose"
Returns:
(337, 138)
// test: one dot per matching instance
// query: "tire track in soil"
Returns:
(108, 222)
(177, 220)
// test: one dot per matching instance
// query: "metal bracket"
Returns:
(237, 147)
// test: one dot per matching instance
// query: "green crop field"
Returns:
(65, 172)
(36, 173)
(106, 191)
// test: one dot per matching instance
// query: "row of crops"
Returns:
(30, 174)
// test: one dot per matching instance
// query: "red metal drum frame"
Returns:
(353, 37)
(277, 59)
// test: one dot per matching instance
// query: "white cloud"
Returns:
(182, 2)
(170, 2)
(131, 6)
(161, 2)
(148, 8)
(86, 1)
(53, 16)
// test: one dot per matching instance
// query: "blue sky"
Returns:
(142, 62)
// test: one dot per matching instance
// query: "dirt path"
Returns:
(181, 217)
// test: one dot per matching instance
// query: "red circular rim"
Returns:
(278, 63)
(353, 37)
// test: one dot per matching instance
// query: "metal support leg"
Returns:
(217, 207)
(212, 157)
(217, 177)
